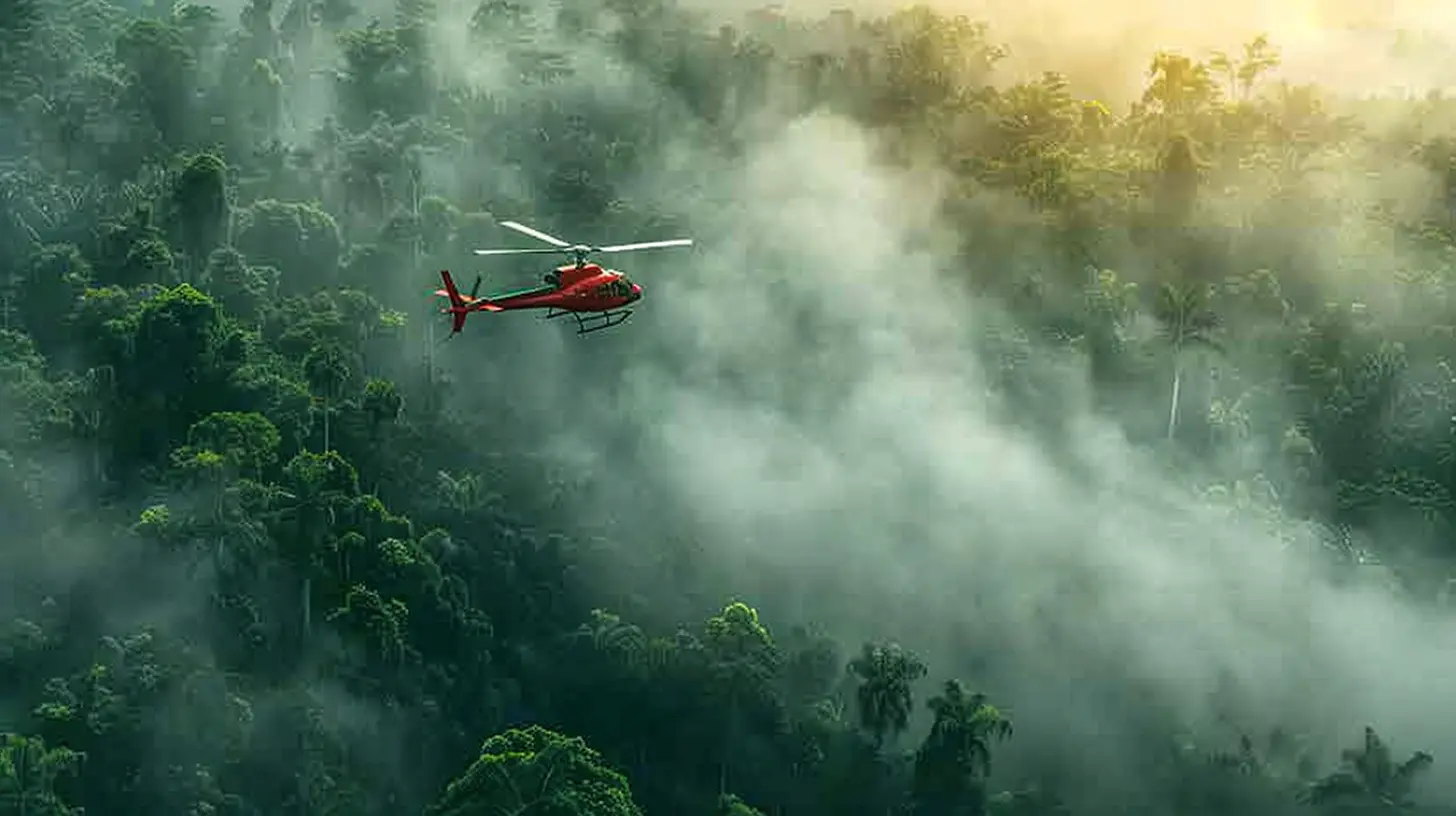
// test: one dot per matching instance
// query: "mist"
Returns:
(1347, 47)
(831, 408)
(807, 400)
(861, 473)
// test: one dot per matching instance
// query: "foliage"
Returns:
(537, 771)
(256, 559)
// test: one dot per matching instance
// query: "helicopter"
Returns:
(596, 297)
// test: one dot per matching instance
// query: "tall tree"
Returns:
(200, 210)
(160, 71)
(328, 373)
(886, 673)
(744, 661)
(1187, 319)
(536, 771)
(29, 771)
(953, 762)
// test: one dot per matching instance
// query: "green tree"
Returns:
(21, 18)
(172, 370)
(264, 93)
(159, 66)
(37, 406)
(328, 374)
(886, 673)
(383, 622)
(953, 762)
(537, 771)
(55, 279)
(301, 241)
(744, 662)
(382, 402)
(383, 408)
(381, 75)
(29, 771)
(1179, 85)
(1258, 58)
(316, 489)
(1187, 319)
(247, 441)
(200, 209)
(148, 261)
(245, 291)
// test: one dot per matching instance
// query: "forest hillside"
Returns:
(999, 447)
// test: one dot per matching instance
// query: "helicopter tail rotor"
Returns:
(460, 306)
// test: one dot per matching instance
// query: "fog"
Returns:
(1348, 46)
(859, 473)
(808, 401)
(803, 403)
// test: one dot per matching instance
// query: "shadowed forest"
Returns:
(994, 451)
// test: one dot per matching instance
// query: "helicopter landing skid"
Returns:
(589, 322)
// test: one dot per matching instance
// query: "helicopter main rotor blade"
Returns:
(517, 252)
(537, 234)
(646, 245)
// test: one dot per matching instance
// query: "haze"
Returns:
(1348, 46)
(810, 411)
(803, 405)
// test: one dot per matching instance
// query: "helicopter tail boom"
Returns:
(461, 305)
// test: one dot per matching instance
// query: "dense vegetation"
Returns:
(257, 560)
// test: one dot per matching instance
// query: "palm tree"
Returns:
(955, 758)
(885, 673)
(305, 513)
(966, 724)
(327, 373)
(1259, 57)
(1186, 320)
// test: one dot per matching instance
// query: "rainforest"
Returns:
(1025, 433)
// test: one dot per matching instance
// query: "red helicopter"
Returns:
(594, 296)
